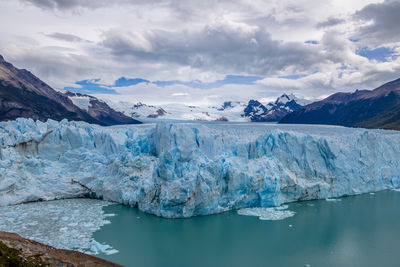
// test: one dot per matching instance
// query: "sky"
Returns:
(203, 52)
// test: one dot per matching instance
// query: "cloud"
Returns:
(199, 48)
(229, 79)
(330, 22)
(65, 37)
(223, 46)
(67, 4)
(381, 23)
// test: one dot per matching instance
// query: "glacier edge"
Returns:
(189, 169)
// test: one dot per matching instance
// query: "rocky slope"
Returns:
(379, 108)
(24, 95)
(17, 251)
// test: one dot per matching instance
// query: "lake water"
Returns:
(355, 231)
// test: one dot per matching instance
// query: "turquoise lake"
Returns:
(359, 230)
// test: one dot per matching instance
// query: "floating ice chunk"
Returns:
(396, 189)
(97, 248)
(63, 224)
(268, 214)
(333, 199)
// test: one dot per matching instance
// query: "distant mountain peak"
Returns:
(273, 111)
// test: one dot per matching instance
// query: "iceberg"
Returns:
(187, 169)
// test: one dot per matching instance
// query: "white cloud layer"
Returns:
(64, 41)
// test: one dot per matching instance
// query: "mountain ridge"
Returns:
(378, 108)
(22, 94)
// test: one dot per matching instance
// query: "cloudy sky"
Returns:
(205, 51)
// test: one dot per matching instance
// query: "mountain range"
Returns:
(272, 112)
(234, 111)
(378, 108)
(22, 94)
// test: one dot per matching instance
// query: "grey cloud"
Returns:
(65, 4)
(93, 4)
(222, 48)
(55, 68)
(385, 22)
(65, 37)
(330, 22)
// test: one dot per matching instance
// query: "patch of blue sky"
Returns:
(315, 42)
(122, 82)
(91, 87)
(382, 54)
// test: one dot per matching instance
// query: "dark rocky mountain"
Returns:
(22, 94)
(228, 105)
(255, 111)
(378, 108)
(275, 111)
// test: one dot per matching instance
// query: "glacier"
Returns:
(180, 170)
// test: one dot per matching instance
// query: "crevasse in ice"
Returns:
(188, 169)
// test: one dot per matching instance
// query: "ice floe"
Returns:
(333, 199)
(268, 214)
(63, 224)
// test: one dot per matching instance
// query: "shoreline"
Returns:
(25, 249)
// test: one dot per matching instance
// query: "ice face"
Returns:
(188, 169)
(63, 224)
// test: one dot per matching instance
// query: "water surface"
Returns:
(356, 231)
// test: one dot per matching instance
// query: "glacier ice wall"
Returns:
(183, 170)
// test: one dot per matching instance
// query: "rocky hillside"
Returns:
(22, 94)
(378, 108)
(16, 251)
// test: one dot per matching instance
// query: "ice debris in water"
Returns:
(63, 224)
(268, 214)
(333, 199)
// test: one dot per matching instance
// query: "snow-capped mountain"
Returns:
(138, 110)
(228, 111)
(272, 112)
(234, 111)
